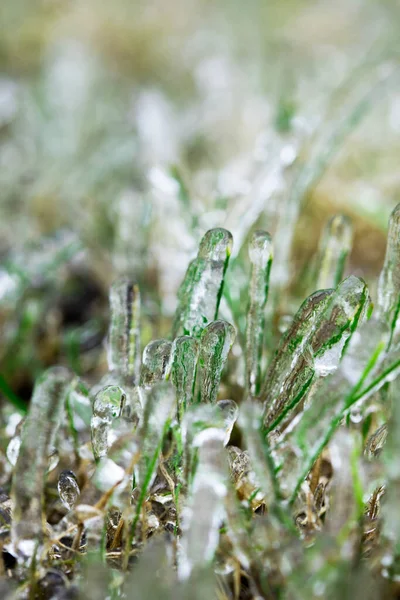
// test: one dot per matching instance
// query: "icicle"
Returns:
(68, 489)
(203, 515)
(124, 336)
(321, 351)
(38, 436)
(185, 352)
(108, 405)
(260, 252)
(201, 290)
(215, 343)
(335, 246)
(389, 281)
(156, 362)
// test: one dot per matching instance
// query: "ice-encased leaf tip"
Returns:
(261, 255)
(185, 351)
(317, 354)
(156, 364)
(200, 292)
(37, 441)
(389, 280)
(215, 344)
(335, 246)
(124, 334)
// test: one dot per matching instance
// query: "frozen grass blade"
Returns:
(124, 336)
(291, 347)
(389, 281)
(38, 438)
(185, 350)
(201, 290)
(203, 515)
(335, 246)
(320, 353)
(158, 412)
(215, 344)
(261, 256)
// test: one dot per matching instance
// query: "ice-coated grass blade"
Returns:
(388, 305)
(201, 290)
(158, 412)
(185, 351)
(124, 335)
(335, 245)
(261, 256)
(361, 373)
(215, 344)
(319, 354)
(38, 437)
(108, 405)
(293, 343)
(392, 471)
(156, 362)
(203, 515)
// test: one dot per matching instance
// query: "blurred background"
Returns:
(129, 128)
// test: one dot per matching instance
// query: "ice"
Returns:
(68, 489)
(185, 351)
(335, 246)
(215, 344)
(156, 362)
(37, 440)
(124, 335)
(201, 290)
(108, 405)
(261, 255)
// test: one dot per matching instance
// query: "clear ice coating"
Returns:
(124, 334)
(158, 412)
(68, 489)
(108, 405)
(389, 281)
(215, 344)
(201, 290)
(361, 372)
(156, 364)
(204, 512)
(230, 413)
(335, 245)
(250, 422)
(390, 456)
(261, 256)
(37, 440)
(289, 352)
(185, 351)
(322, 350)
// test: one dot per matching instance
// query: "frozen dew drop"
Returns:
(68, 489)
(108, 405)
